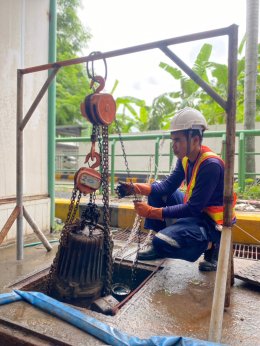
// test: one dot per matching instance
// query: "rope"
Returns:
(250, 235)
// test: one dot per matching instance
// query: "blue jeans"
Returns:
(185, 239)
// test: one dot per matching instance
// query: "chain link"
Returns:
(108, 243)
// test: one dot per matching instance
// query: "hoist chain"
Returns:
(71, 216)
(90, 217)
(73, 207)
(135, 262)
(94, 133)
(124, 156)
(108, 243)
(91, 213)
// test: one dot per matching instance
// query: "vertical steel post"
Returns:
(52, 112)
(217, 312)
(19, 168)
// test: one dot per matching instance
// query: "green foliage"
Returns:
(72, 83)
(72, 87)
(190, 94)
(252, 190)
(71, 35)
(131, 115)
(214, 74)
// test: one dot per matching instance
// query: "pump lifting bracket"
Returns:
(228, 105)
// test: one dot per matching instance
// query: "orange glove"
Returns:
(142, 189)
(145, 210)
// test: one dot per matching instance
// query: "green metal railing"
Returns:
(114, 139)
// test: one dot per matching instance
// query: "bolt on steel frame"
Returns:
(223, 280)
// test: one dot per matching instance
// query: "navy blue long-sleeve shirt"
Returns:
(208, 190)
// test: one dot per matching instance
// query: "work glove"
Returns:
(127, 189)
(145, 210)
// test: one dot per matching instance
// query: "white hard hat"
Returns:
(188, 119)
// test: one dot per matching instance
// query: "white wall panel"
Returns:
(24, 30)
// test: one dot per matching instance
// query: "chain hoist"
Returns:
(88, 180)
(98, 108)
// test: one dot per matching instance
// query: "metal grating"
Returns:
(123, 235)
(246, 251)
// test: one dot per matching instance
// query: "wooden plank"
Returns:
(9, 223)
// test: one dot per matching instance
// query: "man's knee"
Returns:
(162, 240)
(168, 246)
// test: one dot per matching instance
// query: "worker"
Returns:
(188, 224)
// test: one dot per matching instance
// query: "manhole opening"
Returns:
(246, 251)
(123, 287)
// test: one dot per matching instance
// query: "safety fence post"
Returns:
(241, 162)
(156, 159)
(223, 147)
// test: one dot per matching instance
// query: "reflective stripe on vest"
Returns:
(214, 212)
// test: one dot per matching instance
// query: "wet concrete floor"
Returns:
(176, 301)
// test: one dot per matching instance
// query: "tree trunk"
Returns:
(252, 18)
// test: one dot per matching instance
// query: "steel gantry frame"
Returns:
(223, 280)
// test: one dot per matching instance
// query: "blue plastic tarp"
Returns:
(100, 330)
(11, 297)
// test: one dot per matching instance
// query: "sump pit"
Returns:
(123, 286)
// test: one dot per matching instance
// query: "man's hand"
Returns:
(127, 189)
(124, 189)
(145, 210)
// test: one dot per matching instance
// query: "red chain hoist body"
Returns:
(99, 108)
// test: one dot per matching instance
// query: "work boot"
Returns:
(210, 262)
(147, 253)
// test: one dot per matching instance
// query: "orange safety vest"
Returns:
(214, 212)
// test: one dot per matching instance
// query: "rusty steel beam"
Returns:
(195, 77)
(134, 49)
(38, 98)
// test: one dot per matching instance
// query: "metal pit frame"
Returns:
(223, 280)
